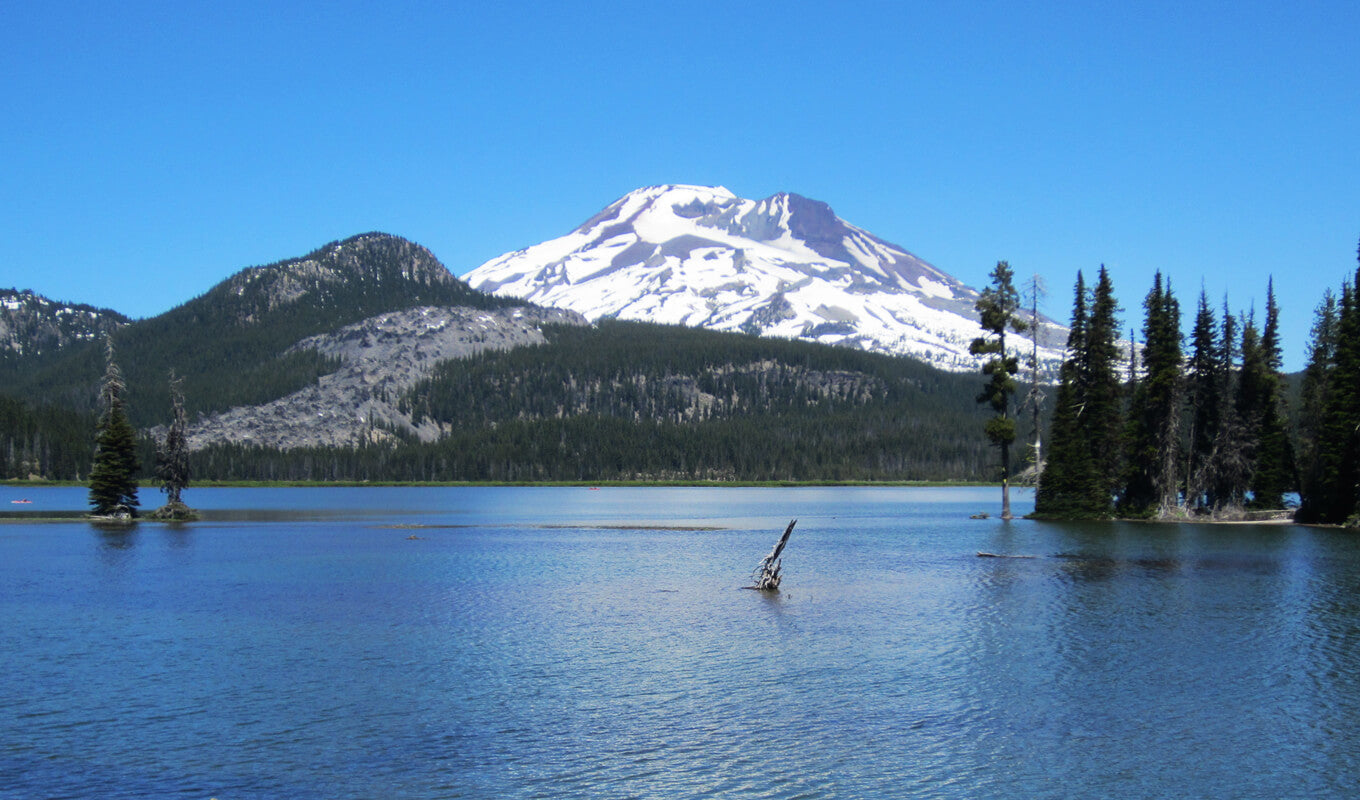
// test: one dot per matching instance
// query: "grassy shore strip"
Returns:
(416, 526)
(44, 516)
(601, 484)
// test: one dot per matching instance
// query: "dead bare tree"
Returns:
(767, 574)
(1034, 398)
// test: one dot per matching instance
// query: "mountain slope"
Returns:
(379, 358)
(231, 344)
(636, 401)
(32, 325)
(785, 266)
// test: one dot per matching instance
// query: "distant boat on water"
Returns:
(21, 501)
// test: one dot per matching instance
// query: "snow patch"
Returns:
(664, 254)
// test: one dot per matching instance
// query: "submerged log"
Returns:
(767, 573)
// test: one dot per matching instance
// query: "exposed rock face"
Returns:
(369, 260)
(31, 324)
(382, 356)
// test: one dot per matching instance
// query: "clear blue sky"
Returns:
(150, 150)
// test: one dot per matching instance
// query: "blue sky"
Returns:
(150, 150)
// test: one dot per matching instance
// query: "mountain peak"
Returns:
(784, 266)
(31, 324)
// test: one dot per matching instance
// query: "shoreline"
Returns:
(569, 484)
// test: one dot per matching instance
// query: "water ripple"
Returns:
(304, 658)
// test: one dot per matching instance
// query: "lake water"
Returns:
(569, 642)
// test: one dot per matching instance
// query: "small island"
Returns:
(113, 477)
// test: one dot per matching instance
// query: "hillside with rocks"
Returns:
(380, 358)
(33, 325)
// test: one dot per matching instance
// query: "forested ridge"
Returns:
(229, 343)
(635, 401)
(618, 401)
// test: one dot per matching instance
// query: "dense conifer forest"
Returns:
(44, 441)
(229, 344)
(634, 401)
(618, 401)
(1179, 426)
(1214, 432)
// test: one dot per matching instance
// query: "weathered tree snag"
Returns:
(766, 573)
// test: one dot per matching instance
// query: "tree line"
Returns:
(636, 401)
(231, 345)
(1167, 426)
(617, 401)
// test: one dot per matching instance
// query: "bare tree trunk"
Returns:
(1005, 481)
(766, 574)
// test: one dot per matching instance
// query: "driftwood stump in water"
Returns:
(766, 573)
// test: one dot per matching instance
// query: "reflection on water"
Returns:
(564, 642)
(115, 543)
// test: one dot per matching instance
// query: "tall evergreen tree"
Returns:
(1104, 395)
(1059, 492)
(172, 457)
(113, 476)
(1203, 390)
(1153, 482)
(1229, 465)
(999, 306)
(1073, 485)
(1273, 470)
(1313, 391)
(1334, 489)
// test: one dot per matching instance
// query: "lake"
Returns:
(570, 642)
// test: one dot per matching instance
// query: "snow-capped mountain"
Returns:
(783, 266)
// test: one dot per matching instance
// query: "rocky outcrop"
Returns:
(381, 357)
(375, 262)
(31, 324)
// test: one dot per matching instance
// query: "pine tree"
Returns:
(1204, 385)
(1273, 471)
(113, 476)
(1229, 464)
(1313, 391)
(1103, 394)
(1334, 488)
(998, 307)
(1071, 486)
(172, 458)
(1153, 442)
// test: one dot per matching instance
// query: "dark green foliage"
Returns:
(172, 456)
(1068, 488)
(1314, 392)
(1204, 387)
(44, 441)
(1071, 485)
(1239, 445)
(230, 343)
(1229, 466)
(1273, 472)
(1080, 476)
(998, 306)
(113, 477)
(1102, 391)
(633, 401)
(1153, 438)
(1333, 488)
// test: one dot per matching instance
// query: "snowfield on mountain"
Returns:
(784, 266)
